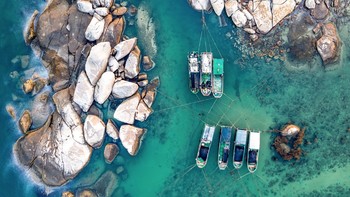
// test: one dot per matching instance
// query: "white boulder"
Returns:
(95, 29)
(231, 6)
(104, 87)
(112, 130)
(84, 92)
(123, 89)
(94, 131)
(85, 6)
(239, 18)
(132, 65)
(126, 111)
(131, 138)
(143, 111)
(124, 48)
(310, 4)
(97, 60)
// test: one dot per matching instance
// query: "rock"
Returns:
(29, 30)
(114, 31)
(310, 4)
(64, 107)
(110, 152)
(67, 194)
(120, 11)
(132, 10)
(11, 111)
(84, 92)
(51, 154)
(95, 29)
(85, 6)
(218, 6)
(143, 111)
(320, 12)
(41, 109)
(285, 148)
(142, 83)
(104, 87)
(249, 30)
(150, 92)
(112, 130)
(94, 131)
(132, 65)
(126, 111)
(281, 9)
(119, 160)
(102, 11)
(113, 64)
(247, 14)
(263, 16)
(28, 86)
(147, 63)
(200, 5)
(239, 19)
(120, 170)
(123, 89)
(107, 3)
(96, 63)
(131, 138)
(290, 130)
(231, 6)
(25, 121)
(328, 46)
(87, 193)
(40, 83)
(106, 184)
(124, 48)
(253, 37)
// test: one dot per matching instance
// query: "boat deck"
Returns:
(206, 62)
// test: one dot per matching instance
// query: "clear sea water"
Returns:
(258, 95)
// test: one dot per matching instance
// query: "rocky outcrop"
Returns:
(110, 152)
(131, 138)
(112, 130)
(84, 92)
(104, 87)
(124, 48)
(29, 31)
(96, 63)
(126, 111)
(25, 121)
(94, 131)
(51, 154)
(329, 44)
(123, 89)
(132, 65)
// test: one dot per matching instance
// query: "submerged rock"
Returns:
(112, 130)
(124, 48)
(96, 63)
(51, 154)
(329, 44)
(123, 89)
(104, 87)
(110, 152)
(94, 131)
(25, 121)
(84, 92)
(106, 184)
(131, 138)
(126, 111)
(147, 63)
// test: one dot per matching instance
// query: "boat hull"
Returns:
(204, 146)
(193, 71)
(253, 151)
(224, 147)
(239, 148)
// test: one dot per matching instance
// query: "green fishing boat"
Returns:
(218, 77)
(206, 73)
(224, 147)
(204, 146)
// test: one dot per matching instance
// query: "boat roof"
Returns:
(208, 132)
(194, 67)
(241, 136)
(226, 133)
(254, 140)
(206, 62)
(218, 66)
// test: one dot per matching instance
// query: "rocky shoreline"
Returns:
(91, 65)
(262, 26)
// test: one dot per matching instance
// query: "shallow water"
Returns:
(258, 95)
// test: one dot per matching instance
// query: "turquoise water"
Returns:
(258, 95)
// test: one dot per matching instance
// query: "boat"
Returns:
(253, 151)
(206, 73)
(218, 77)
(193, 72)
(218, 6)
(204, 146)
(239, 147)
(224, 147)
